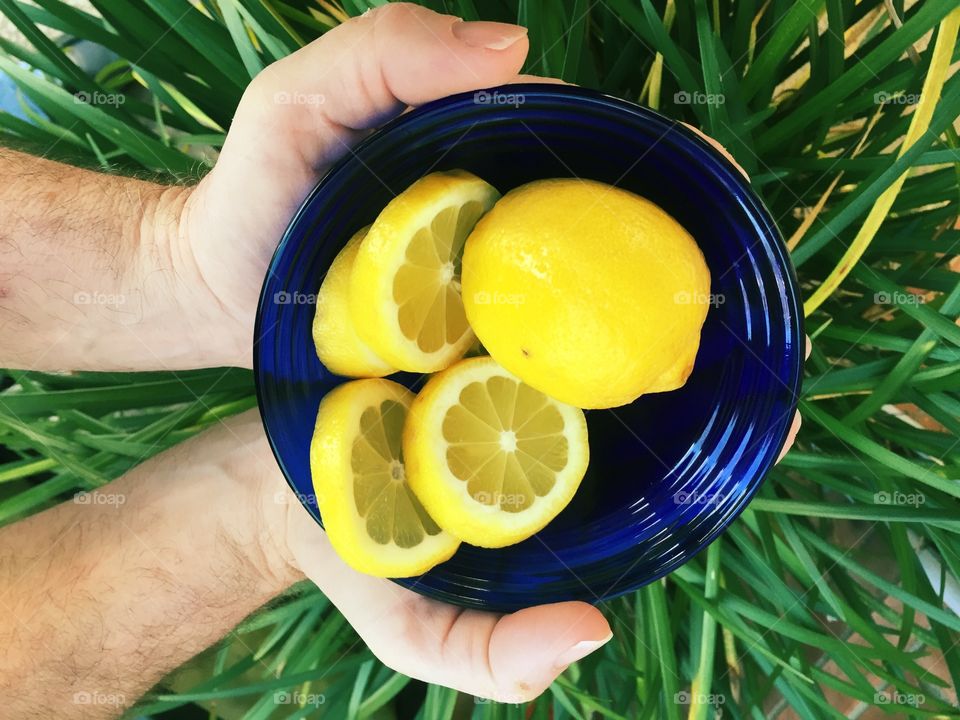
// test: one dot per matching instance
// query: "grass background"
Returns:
(835, 594)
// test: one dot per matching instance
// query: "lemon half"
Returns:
(373, 519)
(405, 297)
(492, 459)
(339, 347)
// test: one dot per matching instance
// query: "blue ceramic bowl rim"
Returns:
(768, 237)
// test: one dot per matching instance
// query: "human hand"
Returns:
(303, 113)
(271, 160)
(504, 657)
(366, 71)
(509, 658)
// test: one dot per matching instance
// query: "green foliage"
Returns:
(762, 620)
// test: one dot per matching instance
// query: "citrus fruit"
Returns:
(373, 519)
(405, 288)
(492, 459)
(339, 347)
(586, 292)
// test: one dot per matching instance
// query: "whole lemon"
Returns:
(586, 292)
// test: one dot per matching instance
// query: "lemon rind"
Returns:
(338, 422)
(341, 350)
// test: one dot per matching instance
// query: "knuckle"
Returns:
(393, 14)
(267, 81)
(392, 10)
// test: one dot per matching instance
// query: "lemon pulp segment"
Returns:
(405, 292)
(373, 519)
(492, 459)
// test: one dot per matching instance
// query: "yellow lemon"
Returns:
(586, 292)
(405, 297)
(339, 347)
(492, 459)
(373, 519)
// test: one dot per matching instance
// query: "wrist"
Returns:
(275, 506)
(260, 532)
(207, 332)
(291, 545)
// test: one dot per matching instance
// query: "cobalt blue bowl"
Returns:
(667, 473)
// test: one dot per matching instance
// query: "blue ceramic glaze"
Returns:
(667, 473)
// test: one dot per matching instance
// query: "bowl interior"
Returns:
(668, 472)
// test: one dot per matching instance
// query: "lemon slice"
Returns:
(339, 347)
(492, 459)
(373, 519)
(405, 289)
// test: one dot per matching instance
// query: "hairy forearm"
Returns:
(104, 595)
(95, 274)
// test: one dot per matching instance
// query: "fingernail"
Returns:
(489, 35)
(580, 650)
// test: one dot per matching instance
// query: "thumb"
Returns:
(509, 658)
(315, 103)
(306, 110)
(398, 55)
(529, 648)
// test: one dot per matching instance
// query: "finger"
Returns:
(538, 80)
(797, 420)
(509, 658)
(307, 110)
(718, 146)
(791, 435)
(313, 102)
(529, 648)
